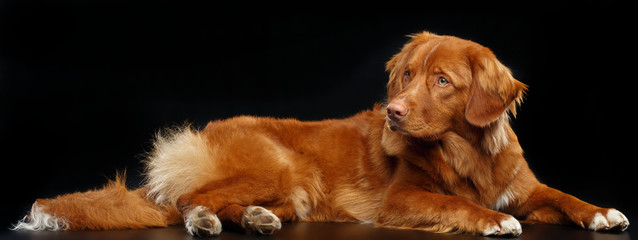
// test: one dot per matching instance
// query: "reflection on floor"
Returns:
(319, 231)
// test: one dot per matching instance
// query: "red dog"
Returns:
(441, 156)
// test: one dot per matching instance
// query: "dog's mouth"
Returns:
(394, 126)
(430, 137)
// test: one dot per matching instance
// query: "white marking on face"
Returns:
(417, 88)
(429, 53)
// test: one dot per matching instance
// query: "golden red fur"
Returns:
(440, 156)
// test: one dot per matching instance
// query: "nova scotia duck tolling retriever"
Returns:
(439, 156)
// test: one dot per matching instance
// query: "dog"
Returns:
(439, 156)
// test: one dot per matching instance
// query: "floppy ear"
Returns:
(493, 89)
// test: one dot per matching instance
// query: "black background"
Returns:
(84, 85)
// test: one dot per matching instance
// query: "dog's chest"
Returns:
(455, 167)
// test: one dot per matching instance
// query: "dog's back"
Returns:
(441, 156)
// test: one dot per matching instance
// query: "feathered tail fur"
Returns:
(112, 207)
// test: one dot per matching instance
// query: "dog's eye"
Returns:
(442, 81)
(406, 78)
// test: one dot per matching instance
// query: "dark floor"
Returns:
(322, 231)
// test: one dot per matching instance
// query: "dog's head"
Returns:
(439, 83)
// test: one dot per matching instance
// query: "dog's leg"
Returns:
(226, 198)
(414, 207)
(549, 205)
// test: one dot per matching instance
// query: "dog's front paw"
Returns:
(608, 220)
(507, 226)
(202, 222)
(261, 220)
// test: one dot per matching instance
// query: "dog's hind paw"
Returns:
(200, 221)
(261, 220)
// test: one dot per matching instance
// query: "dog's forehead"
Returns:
(442, 54)
(439, 48)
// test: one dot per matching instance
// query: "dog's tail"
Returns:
(112, 207)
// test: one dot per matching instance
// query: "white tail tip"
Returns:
(38, 220)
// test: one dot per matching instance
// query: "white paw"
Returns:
(259, 219)
(510, 226)
(202, 222)
(614, 220)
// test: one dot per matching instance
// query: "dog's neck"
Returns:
(458, 157)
